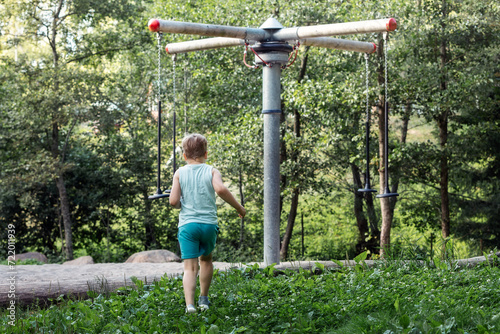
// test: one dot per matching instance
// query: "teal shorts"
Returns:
(197, 239)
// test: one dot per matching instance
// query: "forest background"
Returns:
(78, 95)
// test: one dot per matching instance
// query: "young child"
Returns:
(193, 191)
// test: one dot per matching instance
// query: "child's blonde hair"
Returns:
(194, 145)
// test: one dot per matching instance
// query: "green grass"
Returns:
(394, 297)
(419, 129)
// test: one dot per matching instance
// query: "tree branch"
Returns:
(100, 53)
(44, 9)
(63, 153)
(62, 18)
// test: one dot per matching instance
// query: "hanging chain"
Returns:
(385, 63)
(245, 57)
(158, 37)
(174, 58)
(367, 56)
(296, 50)
(257, 55)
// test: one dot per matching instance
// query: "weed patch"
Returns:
(390, 298)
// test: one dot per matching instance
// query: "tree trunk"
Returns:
(295, 196)
(108, 236)
(291, 222)
(294, 156)
(59, 218)
(68, 235)
(361, 220)
(442, 122)
(151, 242)
(283, 155)
(61, 187)
(404, 134)
(389, 204)
(387, 213)
(385, 233)
(242, 201)
(406, 121)
(443, 182)
(302, 233)
(372, 216)
(56, 154)
(373, 243)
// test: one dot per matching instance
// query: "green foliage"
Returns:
(324, 215)
(101, 97)
(389, 298)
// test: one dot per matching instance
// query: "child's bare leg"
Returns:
(206, 273)
(189, 279)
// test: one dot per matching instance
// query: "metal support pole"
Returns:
(273, 55)
(271, 108)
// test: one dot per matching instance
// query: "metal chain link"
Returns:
(385, 63)
(174, 58)
(158, 37)
(367, 56)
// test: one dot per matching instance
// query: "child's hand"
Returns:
(242, 212)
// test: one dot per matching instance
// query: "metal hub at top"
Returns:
(271, 24)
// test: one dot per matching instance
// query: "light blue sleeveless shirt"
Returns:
(197, 195)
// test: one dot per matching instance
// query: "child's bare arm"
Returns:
(175, 193)
(225, 194)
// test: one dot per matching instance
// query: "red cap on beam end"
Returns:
(391, 25)
(374, 47)
(154, 25)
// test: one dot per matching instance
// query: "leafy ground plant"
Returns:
(402, 297)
